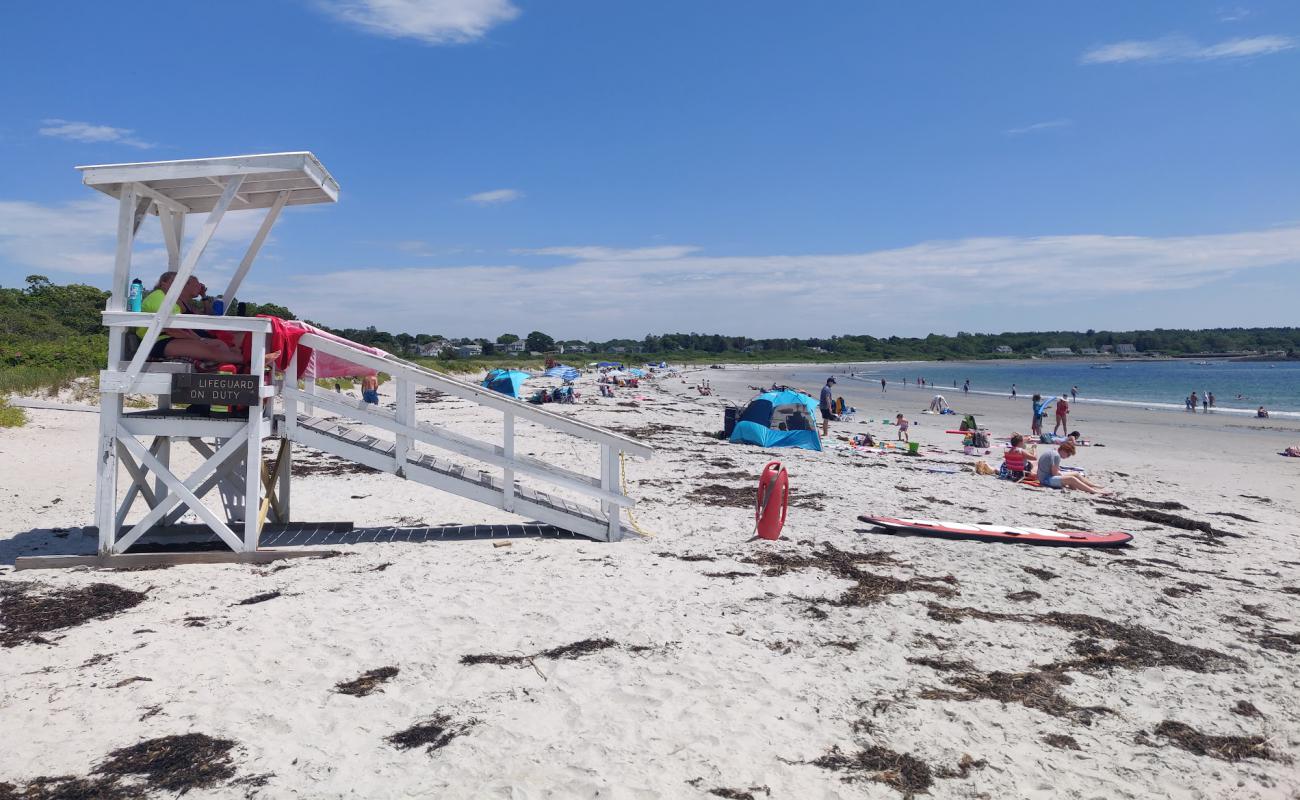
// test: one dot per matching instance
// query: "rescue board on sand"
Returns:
(999, 533)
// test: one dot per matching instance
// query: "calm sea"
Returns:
(1238, 386)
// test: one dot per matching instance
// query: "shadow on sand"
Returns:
(197, 538)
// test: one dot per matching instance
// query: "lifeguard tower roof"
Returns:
(195, 185)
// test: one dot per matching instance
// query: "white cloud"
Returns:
(792, 295)
(1040, 126)
(1236, 14)
(79, 239)
(494, 197)
(593, 253)
(86, 132)
(429, 21)
(1178, 48)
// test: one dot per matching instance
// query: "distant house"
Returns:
(1125, 349)
(515, 347)
(1057, 352)
(573, 348)
(469, 350)
(1002, 348)
(753, 348)
(618, 349)
(431, 349)
(1107, 348)
(1088, 351)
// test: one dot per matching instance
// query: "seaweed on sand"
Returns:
(369, 682)
(28, 610)
(258, 598)
(1037, 690)
(1226, 748)
(432, 734)
(868, 587)
(174, 763)
(568, 651)
(902, 772)
(1208, 533)
(718, 494)
(1062, 741)
(1041, 574)
(1133, 647)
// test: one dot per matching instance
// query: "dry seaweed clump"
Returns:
(1226, 748)
(568, 651)
(173, 763)
(903, 772)
(1036, 690)
(370, 681)
(170, 764)
(868, 587)
(434, 733)
(28, 610)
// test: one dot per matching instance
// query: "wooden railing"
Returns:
(409, 377)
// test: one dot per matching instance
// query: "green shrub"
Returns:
(11, 416)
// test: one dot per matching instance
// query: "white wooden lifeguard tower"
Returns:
(253, 492)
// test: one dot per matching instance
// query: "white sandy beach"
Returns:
(845, 663)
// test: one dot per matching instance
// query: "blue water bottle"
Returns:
(135, 295)
(219, 306)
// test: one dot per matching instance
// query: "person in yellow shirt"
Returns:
(185, 342)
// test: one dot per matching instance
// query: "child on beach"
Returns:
(1017, 464)
(902, 428)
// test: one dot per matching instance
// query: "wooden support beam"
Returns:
(228, 450)
(246, 263)
(164, 314)
(508, 473)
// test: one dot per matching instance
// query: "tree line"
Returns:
(45, 324)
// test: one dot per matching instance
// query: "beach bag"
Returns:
(979, 439)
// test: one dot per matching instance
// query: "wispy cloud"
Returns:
(78, 238)
(429, 21)
(495, 197)
(596, 253)
(1040, 126)
(1235, 14)
(1179, 48)
(602, 292)
(622, 294)
(88, 132)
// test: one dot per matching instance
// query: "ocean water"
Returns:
(1149, 384)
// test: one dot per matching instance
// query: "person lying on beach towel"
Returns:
(1049, 472)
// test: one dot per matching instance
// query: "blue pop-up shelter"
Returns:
(761, 421)
(506, 381)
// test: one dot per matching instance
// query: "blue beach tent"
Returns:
(506, 381)
(760, 422)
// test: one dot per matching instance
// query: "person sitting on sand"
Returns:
(1049, 472)
(902, 428)
(185, 342)
(1262, 413)
(1017, 464)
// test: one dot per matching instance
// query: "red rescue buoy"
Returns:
(773, 499)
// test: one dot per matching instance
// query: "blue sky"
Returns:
(596, 169)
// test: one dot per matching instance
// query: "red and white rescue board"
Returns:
(1000, 533)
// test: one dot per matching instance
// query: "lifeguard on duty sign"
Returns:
(216, 389)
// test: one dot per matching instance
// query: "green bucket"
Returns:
(913, 448)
